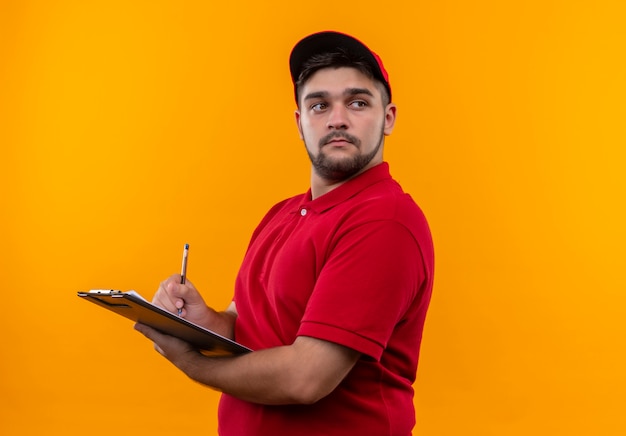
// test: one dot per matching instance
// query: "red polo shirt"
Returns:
(354, 267)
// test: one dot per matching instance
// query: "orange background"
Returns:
(130, 128)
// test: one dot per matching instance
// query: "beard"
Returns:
(337, 170)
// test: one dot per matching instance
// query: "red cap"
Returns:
(324, 42)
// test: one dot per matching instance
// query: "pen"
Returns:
(183, 271)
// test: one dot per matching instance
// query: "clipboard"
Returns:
(133, 306)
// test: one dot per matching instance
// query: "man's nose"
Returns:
(337, 118)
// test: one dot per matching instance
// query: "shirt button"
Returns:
(303, 211)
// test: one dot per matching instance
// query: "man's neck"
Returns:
(321, 186)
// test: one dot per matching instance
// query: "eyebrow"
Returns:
(347, 92)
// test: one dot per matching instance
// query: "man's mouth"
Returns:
(338, 139)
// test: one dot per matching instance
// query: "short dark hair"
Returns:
(338, 59)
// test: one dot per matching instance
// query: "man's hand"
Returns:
(177, 351)
(172, 296)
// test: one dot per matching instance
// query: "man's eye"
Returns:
(318, 107)
(358, 104)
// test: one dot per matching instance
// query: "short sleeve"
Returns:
(372, 275)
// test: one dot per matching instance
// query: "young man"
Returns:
(333, 291)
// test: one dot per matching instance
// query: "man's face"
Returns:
(342, 122)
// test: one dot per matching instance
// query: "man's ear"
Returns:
(299, 124)
(390, 118)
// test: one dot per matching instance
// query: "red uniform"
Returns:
(354, 267)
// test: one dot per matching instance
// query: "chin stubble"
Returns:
(338, 170)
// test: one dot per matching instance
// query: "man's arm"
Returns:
(301, 373)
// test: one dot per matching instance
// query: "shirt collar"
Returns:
(348, 189)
